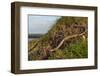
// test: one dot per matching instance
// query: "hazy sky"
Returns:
(41, 24)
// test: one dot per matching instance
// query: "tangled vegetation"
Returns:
(67, 39)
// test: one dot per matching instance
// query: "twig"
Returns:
(67, 38)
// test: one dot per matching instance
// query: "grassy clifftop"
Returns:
(75, 47)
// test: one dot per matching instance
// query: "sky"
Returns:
(41, 24)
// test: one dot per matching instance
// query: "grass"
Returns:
(62, 28)
(76, 50)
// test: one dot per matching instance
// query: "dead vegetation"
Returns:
(66, 32)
